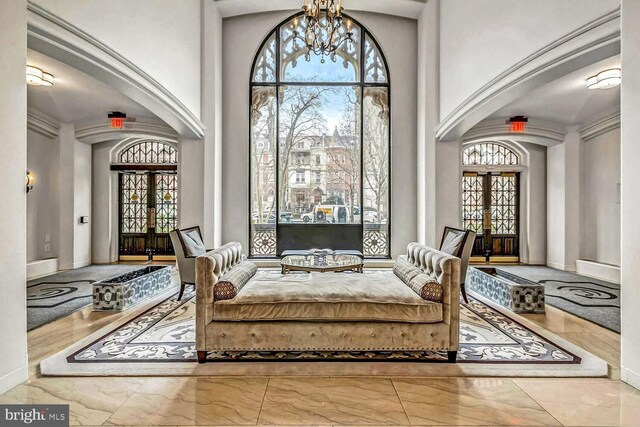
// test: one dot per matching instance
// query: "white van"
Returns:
(330, 214)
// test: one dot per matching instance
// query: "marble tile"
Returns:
(323, 401)
(191, 401)
(602, 345)
(91, 400)
(468, 401)
(586, 402)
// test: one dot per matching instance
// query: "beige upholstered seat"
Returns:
(327, 297)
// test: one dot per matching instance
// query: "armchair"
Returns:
(187, 244)
(459, 243)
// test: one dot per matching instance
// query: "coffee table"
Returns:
(322, 264)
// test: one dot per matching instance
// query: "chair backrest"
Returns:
(186, 264)
(458, 243)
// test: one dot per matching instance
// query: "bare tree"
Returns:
(376, 147)
(301, 119)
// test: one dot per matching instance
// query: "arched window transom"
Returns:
(320, 139)
(149, 152)
(489, 154)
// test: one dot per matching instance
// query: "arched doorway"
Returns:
(491, 200)
(147, 200)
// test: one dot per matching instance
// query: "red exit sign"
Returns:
(117, 122)
(518, 126)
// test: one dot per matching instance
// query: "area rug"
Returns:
(591, 299)
(166, 333)
(158, 340)
(58, 295)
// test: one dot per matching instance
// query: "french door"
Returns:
(148, 212)
(490, 207)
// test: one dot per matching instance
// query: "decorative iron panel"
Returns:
(375, 240)
(263, 240)
(504, 204)
(472, 203)
(134, 203)
(150, 152)
(489, 153)
(166, 202)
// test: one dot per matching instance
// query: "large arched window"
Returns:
(320, 144)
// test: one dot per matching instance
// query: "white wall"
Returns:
(104, 247)
(630, 223)
(480, 39)
(74, 183)
(241, 39)
(82, 204)
(41, 206)
(555, 206)
(599, 198)
(13, 225)
(534, 250)
(162, 37)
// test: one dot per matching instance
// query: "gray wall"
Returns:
(241, 39)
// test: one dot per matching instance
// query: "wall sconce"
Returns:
(29, 181)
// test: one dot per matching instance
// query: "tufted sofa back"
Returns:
(226, 257)
(433, 262)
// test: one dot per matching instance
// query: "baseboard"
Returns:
(556, 265)
(14, 378)
(42, 267)
(598, 270)
(630, 377)
(537, 262)
(81, 264)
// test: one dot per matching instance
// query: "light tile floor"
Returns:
(334, 401)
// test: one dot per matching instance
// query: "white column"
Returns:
(428, 118)
(65, 185)
(448, 187)
(630, 200)
(563, 202)
(75, 200)
(211, 107)
(190, 183)
(13, 225)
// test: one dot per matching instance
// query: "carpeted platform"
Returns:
(58, 295)
(592, 299)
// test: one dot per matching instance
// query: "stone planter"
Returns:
(125, 291)
(515, 293)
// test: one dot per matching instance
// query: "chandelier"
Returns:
(323, 33)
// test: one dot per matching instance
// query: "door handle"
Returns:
(151, 217)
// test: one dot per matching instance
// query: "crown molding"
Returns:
(40, 123)
(100, 132)
(540, 132)
(597, 40)
(600, 126)
(55, 37)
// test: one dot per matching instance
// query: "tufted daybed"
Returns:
(414, 308)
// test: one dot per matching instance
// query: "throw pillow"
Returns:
(405, 270)
(427, 287)
(233, 281)
(452, 242)
(193, 244)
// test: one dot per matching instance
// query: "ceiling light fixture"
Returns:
(37, 77)
(324, 34)
(606, 79)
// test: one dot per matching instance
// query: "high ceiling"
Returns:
(77, 97)
(405, 8)
(567, 100)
